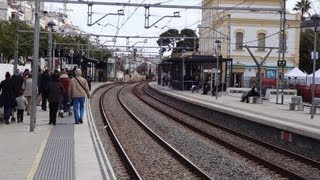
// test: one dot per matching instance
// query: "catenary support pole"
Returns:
(35, 67)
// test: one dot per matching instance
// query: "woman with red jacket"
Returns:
(65, 81)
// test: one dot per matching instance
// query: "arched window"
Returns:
(261, 41)
(239, 41)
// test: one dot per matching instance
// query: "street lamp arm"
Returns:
(119, 13)
(147, 17)
(109, 25)
(113, 40)
(147, 27)
(144, 41)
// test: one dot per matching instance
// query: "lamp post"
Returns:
(50, 26)
(218, 49)
(16, 53)
(315, 18)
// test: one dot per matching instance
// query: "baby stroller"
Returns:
(65, 107)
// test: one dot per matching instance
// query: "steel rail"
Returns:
(293, 155)
(270, 165)
(114, 138)
(160, 140)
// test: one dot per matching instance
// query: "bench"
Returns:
(253, 99)
(296, 101)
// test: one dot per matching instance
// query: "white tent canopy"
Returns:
(316, 75)
(296, 76)
(296, 72)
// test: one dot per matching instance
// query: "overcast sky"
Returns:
(132, 23)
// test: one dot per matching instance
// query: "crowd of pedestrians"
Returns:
(56, 90)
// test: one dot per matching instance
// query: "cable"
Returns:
(130, 15)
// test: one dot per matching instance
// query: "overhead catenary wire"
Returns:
(155, 5)
(141, 4)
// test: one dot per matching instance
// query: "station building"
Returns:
(260, 30)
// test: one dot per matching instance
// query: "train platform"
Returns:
(267, 113)
(66, 151)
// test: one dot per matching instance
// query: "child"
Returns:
(21, 106)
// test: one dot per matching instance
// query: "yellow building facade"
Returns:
(252, 25)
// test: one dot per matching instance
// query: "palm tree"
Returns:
(303, 6)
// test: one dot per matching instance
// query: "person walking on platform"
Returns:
(7, 97)
(39, 96)
(43, 88)
(78, 89)
(27, 87)
(17, 81)
(55, 96)
(21, 106)
(65, 80)
(26, 72)
(251, 93)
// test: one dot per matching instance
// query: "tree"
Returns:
(7, 40)
(168, 38)
(306, 47)
(303, 6)
(187, 44)
(176, 42)
(26, 40)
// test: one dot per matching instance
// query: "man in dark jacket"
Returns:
(251, 93)
(17, 81)
(44, 82)
(7, 97)
(55, 95)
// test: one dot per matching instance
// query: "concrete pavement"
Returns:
(268, 113)
(64, 151)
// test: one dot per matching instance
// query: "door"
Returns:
(238, 79)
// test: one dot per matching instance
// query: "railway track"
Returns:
(139, 146)
(260, 152)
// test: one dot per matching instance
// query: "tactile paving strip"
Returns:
(57, 162)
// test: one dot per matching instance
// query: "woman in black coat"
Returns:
(7, 98)
(55, 95)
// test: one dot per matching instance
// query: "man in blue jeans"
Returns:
(77, 91)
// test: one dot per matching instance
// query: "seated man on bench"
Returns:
(251, 93)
